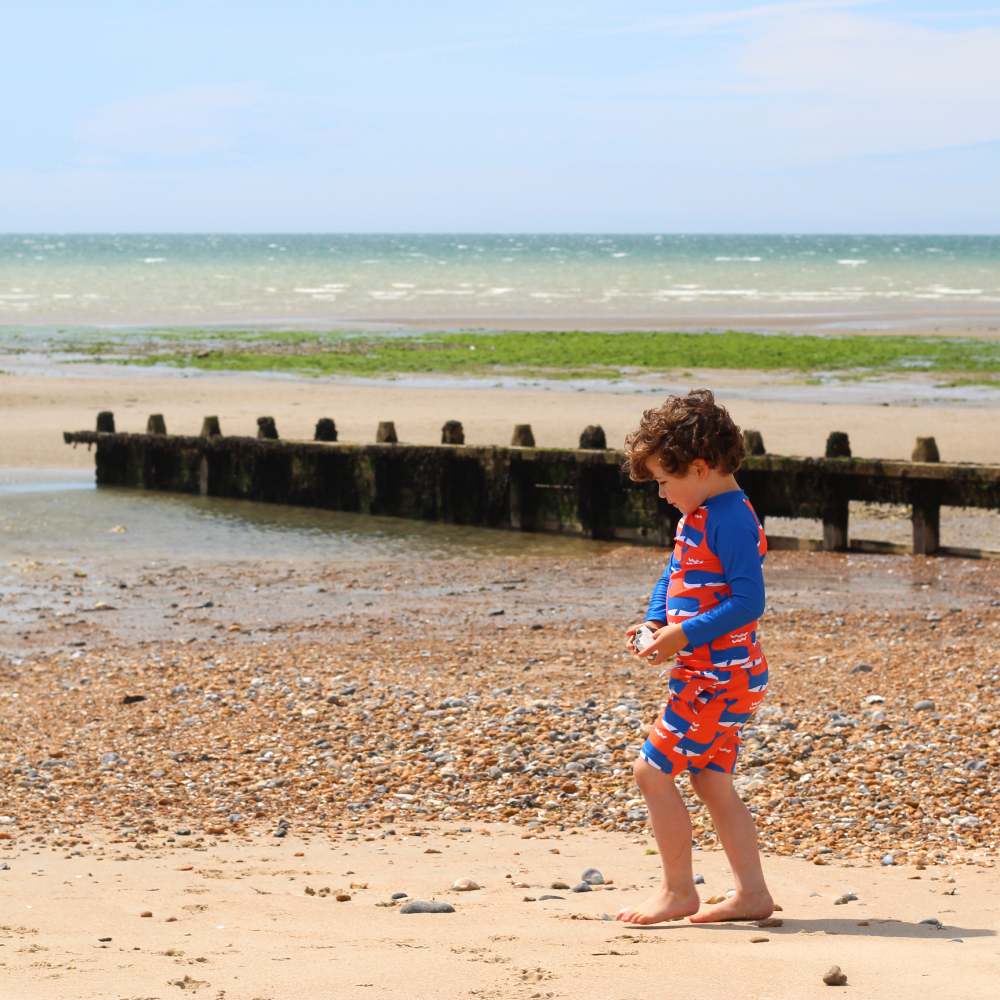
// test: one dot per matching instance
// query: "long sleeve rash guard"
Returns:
(714, 583)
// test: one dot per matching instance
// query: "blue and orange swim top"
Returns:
(714, 584)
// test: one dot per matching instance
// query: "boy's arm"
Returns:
(656, 611)
(735, 541)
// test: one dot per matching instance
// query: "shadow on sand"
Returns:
(866, 927)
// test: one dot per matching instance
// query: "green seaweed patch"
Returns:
(596, 355)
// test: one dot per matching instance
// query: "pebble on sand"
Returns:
(465, 885)
(835, 977)
(593, 876)
(425, 906)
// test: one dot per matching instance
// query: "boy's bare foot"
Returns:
(742, 906)
(662, 905)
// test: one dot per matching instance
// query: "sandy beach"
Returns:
(234, 918)
(230, 745)
(204, 754)
(794, 419)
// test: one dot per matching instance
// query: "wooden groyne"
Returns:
(529, 488)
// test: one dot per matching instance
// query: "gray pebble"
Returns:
(423, 906)
(699, 880)
(398, 895)
(559, 885)
(924, 706)
(583, 887)
(862, 668)
(888, 859)
(183, 831)
(847, 897)
(933, 922)
(540, 898)
(593, 876)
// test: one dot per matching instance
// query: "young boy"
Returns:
(704, 612)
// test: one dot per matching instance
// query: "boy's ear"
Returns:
(700, 467)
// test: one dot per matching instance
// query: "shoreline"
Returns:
(984, 323)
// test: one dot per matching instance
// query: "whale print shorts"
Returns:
(701, 722)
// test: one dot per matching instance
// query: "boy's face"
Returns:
(686, 492)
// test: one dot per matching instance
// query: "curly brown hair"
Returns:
(682, 429)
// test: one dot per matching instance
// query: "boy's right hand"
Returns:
(632, 629)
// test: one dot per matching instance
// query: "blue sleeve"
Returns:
(657, 609)
(734, 539)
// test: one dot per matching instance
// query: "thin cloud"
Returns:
(709, 20)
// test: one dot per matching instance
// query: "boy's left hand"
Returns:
(667, 643)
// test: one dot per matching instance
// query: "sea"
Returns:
(601, 281)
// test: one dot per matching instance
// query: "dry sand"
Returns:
(37, 409)
(232, 921)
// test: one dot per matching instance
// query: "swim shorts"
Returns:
(702, 720)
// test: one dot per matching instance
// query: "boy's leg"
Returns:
(738, 833)
(677, 896)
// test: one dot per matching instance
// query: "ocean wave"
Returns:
(852, 261)
(737, 258)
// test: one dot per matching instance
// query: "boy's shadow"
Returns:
(876, 927)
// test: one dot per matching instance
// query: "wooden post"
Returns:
(386, 433)
(522, 437)
(838, 445)
(156, 424)
(267, 429)
(753, 443)
(210, 427)
(835, 505)
(597, 484)
(593, 437)
(452, 432)
(926, 450)
(326, 430)
(926, 517)
(105, 422)
(523, 495)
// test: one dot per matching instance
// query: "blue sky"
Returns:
(523, 116)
